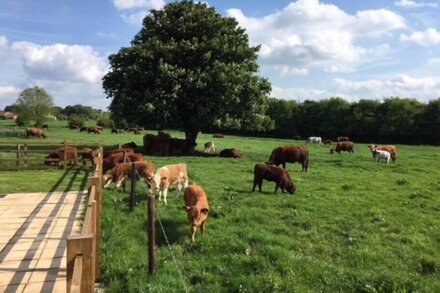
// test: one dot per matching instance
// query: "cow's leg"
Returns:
(255, 184)
(203, 227)
(165, 195)
(284, 165)
(260, 183)
(160, 195)
(119, 182)
(193, 233)
(276, 188)
(108, 183)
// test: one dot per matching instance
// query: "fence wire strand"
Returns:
(171, 251)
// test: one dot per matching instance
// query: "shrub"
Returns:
(22, 121)
(104, 122)
(75, 120)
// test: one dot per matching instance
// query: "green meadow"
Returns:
(353, 225)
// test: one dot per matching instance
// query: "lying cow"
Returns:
(342, 146)
(119, 172)
(230, 153)
(166, 177)
(197, 207)
(273, 173)
(37, 132)
(209, 147)
(314, 139)
(291, 154)
(378, 154)
(389, 148)
(56, 156)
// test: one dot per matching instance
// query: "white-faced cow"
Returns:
(209, 147)
(166, 177)
(378, 154)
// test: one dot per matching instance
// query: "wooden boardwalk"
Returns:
(33, 233)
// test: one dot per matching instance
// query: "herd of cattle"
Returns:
(117, 166)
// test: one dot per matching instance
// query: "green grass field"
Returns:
(352, 226)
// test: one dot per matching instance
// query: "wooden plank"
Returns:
(81, 245)
(27, 168)
(29, 159)
(75, 286)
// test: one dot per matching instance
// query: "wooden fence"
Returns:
(83, 249)
(23, 154)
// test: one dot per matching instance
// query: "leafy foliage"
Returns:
(188, 66)
(34, 104)
(76, 121)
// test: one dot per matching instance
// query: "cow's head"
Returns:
(196, 216)
(107, 179)
(287, 183)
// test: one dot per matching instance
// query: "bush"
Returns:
(22, 121)
(76, 121)
(104, 122)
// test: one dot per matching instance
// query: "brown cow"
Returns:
(95, 130)
(157, 144)
(88, 154)
(218, 135)
(290, 154)
(343, 138)
(197, 207)
(273, 173)
(83, 128)
(115, 151)
(35, 132)
(167, 176)
(342, 146)
(119, 172)
(117, 158)
(392, 149)
(230, 153)
(71, 156)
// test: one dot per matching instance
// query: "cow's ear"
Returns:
(204, 211)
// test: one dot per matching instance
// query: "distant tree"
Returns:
(427, 123)
(364, 120)
(334, 113)
(75, 121)
(285, 116)
(11, 108)
(79, 110)
(104, 120)
(34, 104)
(190, 67)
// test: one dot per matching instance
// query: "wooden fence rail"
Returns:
(83, 249)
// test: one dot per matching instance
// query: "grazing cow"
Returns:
(314, 139)
(197, 207)
(167, 176)
(290, 154)
(327, 141)
(343, 138)
(88, 154)
(83, 128)
(230, 153)
(389, 148)
(218, 135)
(115, 151)
(58, 155)
(37, 132)
(119, 172)
(342, 146)
(378, 154)
(130, 145)
(297, 137)
(117, 158)
(273, 173)
(209, 147)
(95, 130)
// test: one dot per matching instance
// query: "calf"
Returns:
(166, 177)
(196, 205)
(119, 172)
(378, 154)
(342, 146)
(389, 148)
(273, 173)
(209, 147)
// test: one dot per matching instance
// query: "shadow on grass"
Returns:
(172, 229)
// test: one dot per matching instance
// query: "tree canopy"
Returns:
(34, 104)
(189, 68)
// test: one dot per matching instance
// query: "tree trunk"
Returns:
(191, 138)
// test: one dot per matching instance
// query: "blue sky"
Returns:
(310, 49)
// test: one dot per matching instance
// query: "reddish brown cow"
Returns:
(37, 132)
(392, 149)
(119, 172)
(157, 144)
(342, 146)
(290, 154)
(230, 153)
(58, 155)
(117, 158)
(197, 207)
(273, 173)
(88, 154)
(95, 130)
(115, 151)
(343, 138)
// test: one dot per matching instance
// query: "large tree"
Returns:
(188, 67)
(34, 104)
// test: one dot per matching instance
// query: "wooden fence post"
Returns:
(151, 235)
(18, 154)
(25, 153)
(81, 245)
(65, 154)
(133, 186)
(96, 219)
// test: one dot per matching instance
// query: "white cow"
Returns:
(378, 154)
(314, 139)
(167, 176)
(209, 147)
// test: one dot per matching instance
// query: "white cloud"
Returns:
(422, 88)
(61, 62)
(8, 94)
(430, 37)
(413, 4)
(307, 34)
(297, 93)
(137, 9)
(3, 41)
(433, 61)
